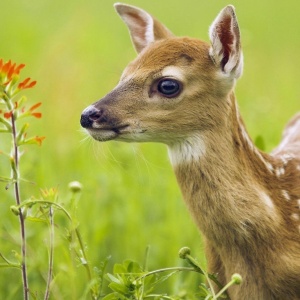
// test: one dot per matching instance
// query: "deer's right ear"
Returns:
(225, 43)
(143, 28)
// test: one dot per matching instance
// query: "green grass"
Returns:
(76, 51)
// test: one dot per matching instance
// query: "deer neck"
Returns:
(219, 173)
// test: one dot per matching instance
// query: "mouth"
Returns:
(103, 134)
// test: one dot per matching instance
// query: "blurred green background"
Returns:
(76, 50)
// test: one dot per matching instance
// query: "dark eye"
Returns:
(169, 87)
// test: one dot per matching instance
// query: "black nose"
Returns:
(88, 116)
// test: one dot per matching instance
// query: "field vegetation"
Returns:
(130, 203)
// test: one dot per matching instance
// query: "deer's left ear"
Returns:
(225, 43)
(143, 28)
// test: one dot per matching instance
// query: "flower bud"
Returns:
(75, 186)
(237, 278)
(183, 252)
(15, 210)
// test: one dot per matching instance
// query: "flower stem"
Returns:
(224, 289)
(50, 271)
(15, 175)
(86, 263)
(174, 269)
(76, 233)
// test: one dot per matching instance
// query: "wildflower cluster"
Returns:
(13, 109)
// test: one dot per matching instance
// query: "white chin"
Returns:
(102, 135)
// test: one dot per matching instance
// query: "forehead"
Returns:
(179, 52)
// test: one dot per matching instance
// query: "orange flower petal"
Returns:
(23, 83)
(30, 85)
(11, 71)
(6, 67)
(19, 68)
(32, 108)
(39, 139)
(8, 115)
(26, 85)
(37, 115)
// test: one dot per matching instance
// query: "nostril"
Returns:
(95, 115)
(89, 115)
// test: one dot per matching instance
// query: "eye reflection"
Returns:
(168, 87)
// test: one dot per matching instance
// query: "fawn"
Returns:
(180, 91)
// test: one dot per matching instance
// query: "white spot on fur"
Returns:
(267, 200)
(270, 208)
(266, 163)
(286, 195)
(286, 158)
(295, 217)
(191, 149)
(172, 71)
(280, 171)
(298, 201)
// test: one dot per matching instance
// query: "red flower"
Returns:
(26, 84)
(5, 67)
(18, 69)
(10, 69)
(33, 107)
(8, 114)
(35, 114)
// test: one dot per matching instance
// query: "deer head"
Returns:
(175, 88)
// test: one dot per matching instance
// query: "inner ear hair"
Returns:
(225, 39)
(143, 28)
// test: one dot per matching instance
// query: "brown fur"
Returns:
(245, 202)
(242, 235)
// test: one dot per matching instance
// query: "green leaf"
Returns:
(120, 288)
(3, 266)
(134, 267)
(99, 272)
(6, 124)
(204, 291)
(4, 130)
(112, 278)
(164, 278)
(37, 220)
(6, 179)
(112, 296)
(119, 269)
